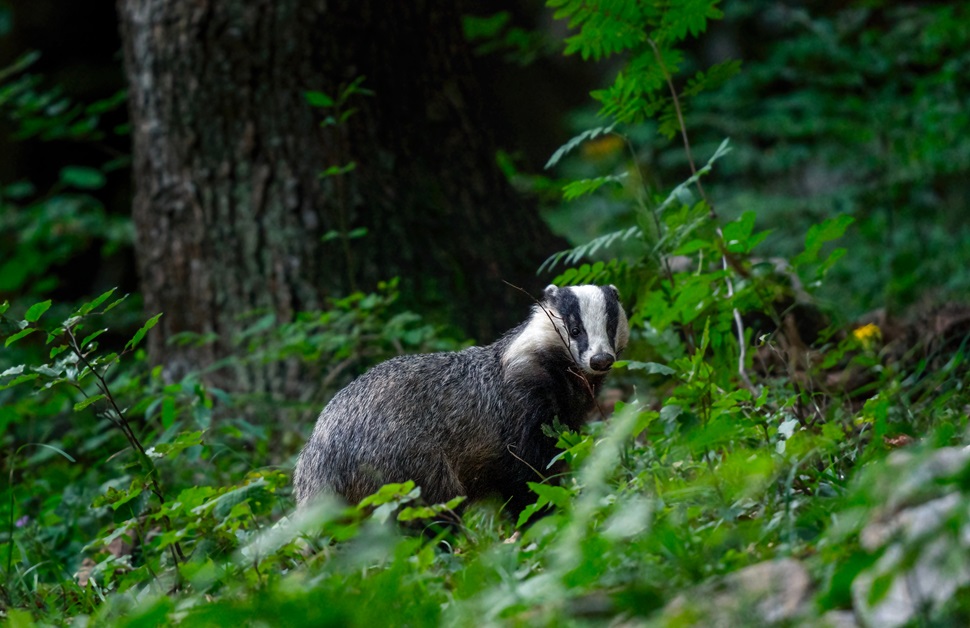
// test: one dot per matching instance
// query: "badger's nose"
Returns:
(601, 362)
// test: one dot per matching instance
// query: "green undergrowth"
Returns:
(128, 503)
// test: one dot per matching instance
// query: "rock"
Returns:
(923, 561)
(771, 592)
(837, 619)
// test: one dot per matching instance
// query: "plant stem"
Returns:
(122, 423)
(739, 324)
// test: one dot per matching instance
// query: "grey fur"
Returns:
(469, 422)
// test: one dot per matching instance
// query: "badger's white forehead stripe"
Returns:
(592, 307)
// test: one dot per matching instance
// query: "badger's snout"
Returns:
(601, 362)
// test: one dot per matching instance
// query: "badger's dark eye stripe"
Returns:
(612, 313)
(568, 304)
(569, 307)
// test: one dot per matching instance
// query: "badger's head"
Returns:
(587, 322)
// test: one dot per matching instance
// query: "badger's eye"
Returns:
(574, 331)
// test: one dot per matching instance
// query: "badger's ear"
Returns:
(550, 292)
(616, 292)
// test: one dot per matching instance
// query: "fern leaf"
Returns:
(686, 16)
(563, 150)
(576, 189)
(715, 76)
(573, 255)
(678, 192)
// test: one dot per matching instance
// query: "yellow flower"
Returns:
(602, 147)
(868, 335)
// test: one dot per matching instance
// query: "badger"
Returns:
(469, 423)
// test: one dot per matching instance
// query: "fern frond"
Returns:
(686, 16)
(576, 141)
(714, 77)
(575, 189)
(678, 193)
(598, 273)
(573, 255)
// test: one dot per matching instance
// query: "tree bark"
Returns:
(230, 208)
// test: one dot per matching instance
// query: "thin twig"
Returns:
(683, 125)
(509, 448)
(643, 202)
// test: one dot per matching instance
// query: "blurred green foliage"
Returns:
(857, 110)
(854, 109)
(43, 229)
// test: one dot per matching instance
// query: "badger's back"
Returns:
(468, 422)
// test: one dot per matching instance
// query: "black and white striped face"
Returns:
(588, 322)
(592, 322)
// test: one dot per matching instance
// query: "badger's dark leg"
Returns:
(527, 461)
(440, 482)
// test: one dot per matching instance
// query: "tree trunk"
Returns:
(230, 209)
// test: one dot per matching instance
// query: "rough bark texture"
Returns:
(230, 208)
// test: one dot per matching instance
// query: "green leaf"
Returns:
(713, 78)
(91, 337)
(334, 171)
(37, 310)
(19, 380)
(575, 189)
(454, 502)
(182, 442)
(55, 450)
(90, 305)
(17, 618)
(416, 512)
(168, 412)
(819, 234)
(131, 344)
(20, 334)
(107, 104)
(693, 246)
(23, 62)
(739, 236)
(676, 195)
(114, 304)
(19, 190)
(389, 493)
(528, 511)
(318, 99)
(82, 177)
(116, 499)
(485, 27)
(554, 494)
(652, 368)
(84, 404)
